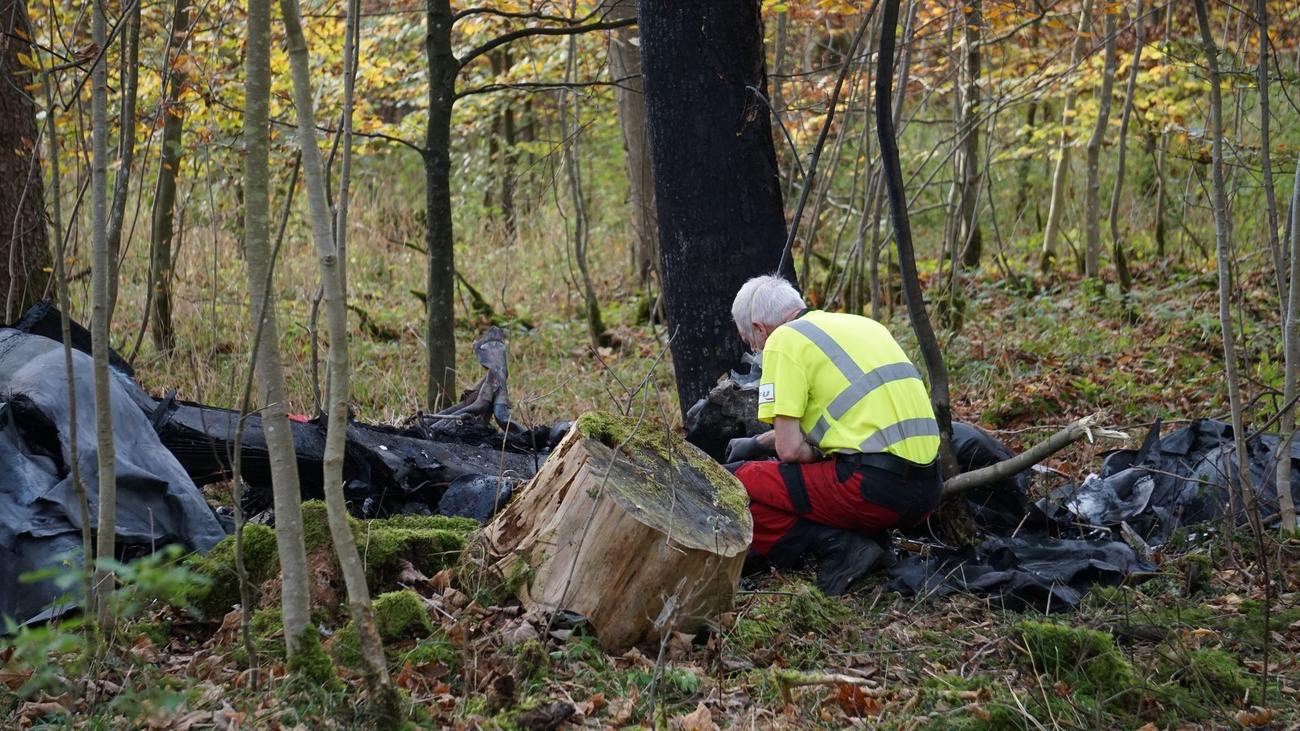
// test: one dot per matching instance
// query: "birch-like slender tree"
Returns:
(295, 596)
(101, 275)
(1056, 204)
(1092, 210)
(1130, 89)
(1265, 154)
(65, 330)
(332, 263)
(967, 241)
(129, 78)
(1223, 246)
(1291, 343)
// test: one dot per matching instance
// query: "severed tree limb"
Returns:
(787, 680)
(1030, 457)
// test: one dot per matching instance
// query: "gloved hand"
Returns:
(745, 449)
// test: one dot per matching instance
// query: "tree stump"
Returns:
(627, 525)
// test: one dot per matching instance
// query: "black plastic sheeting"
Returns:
(1177, 480)
(166, 449)
(1047, 574)
(40, 521)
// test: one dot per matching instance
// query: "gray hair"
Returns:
(767, 300)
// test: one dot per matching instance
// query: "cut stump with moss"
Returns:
(625, 524)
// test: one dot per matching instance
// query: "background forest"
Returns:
(491, 165)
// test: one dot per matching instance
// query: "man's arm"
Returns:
(789, 441)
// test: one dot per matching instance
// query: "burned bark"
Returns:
(717, 188)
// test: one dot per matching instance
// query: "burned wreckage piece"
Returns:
(40, 517)
(166, 449)
(1180, 479)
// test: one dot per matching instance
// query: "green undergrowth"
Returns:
(428, 543)
(399, 615)
(793, 625)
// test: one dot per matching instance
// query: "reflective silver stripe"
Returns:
(819, 430)
(868, 382)
(894, 433)
(832, 349)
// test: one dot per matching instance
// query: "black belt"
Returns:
(906, 469)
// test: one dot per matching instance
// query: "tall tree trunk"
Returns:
(1223, 241)
(295, 600)
(629, 98)
(24, 248)
(332, 264)
(1092, 214)
(1291, 349)
(1130, 90)
(164, 200)
(717, 188)
(101, 274)
(967, 234)
(1265, 154)
(129, 76)
(893, 173)
(1056, 205)
(440, 329)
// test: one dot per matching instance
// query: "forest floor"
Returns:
(1157, 654)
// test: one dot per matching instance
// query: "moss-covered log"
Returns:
(627, 525)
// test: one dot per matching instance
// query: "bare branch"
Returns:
(548, 86)
(567, 30)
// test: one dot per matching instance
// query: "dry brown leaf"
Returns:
(14, 679)
(855, 703)
(441, 580)
(700, 719)
(679, 645)
(1255, 716)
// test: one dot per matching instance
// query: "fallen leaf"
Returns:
(854, 702)
(700, 719)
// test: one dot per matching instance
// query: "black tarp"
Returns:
(40, 521)
(1176, 480)
(1048, 574)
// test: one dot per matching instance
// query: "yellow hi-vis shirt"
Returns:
(851, 386)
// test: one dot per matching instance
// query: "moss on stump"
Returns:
(428, 543)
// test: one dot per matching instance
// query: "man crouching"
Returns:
(854, 432)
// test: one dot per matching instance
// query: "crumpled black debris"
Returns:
(1047, 574)
(40, 521)
(1177, 480)
(477, 496)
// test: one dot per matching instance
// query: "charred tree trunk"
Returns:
(717, 186)
(24, 248)
(893, 173)
(440, 326)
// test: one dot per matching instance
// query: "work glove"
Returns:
(745, 449)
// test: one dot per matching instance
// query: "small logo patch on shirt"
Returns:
(767, 393)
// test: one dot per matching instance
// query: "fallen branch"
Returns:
(787, 680)
(1030, 457)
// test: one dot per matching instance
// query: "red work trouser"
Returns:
(830, 500)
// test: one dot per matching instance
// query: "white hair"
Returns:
(767, 300)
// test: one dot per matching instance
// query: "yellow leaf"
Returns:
(27, 61)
